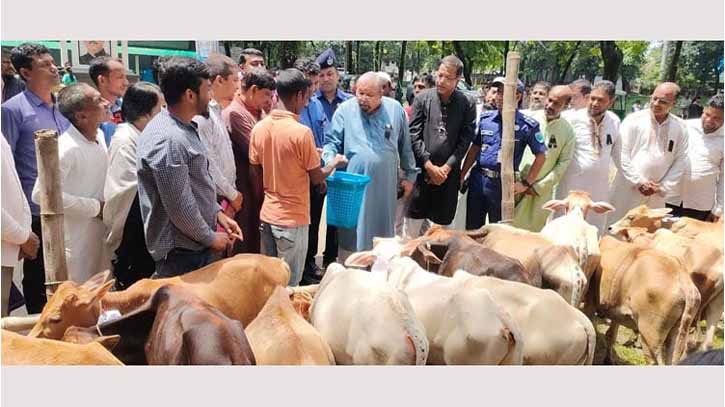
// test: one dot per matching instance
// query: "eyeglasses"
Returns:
(656, 100)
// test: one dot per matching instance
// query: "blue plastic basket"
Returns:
(344, 197)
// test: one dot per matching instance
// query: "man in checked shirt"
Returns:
(176, 191)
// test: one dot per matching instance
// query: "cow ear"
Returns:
(428, 255)
(109, 342)
(555, 205)
(98, 293)
(98, 279)
(601, 207)
(361, 259)
(659, 212)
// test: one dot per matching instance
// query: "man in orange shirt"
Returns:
(282, 152)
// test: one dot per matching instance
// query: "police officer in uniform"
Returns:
(330, 96)
(484, 183)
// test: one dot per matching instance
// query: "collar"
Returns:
(339, 95)
(191, 124)
(73, 131)
(251, 109)
(284, 114)
(35, 99)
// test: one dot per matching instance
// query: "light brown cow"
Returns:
(703, 262)
(557, 264)
(280, 336)
(647, 291)
(22, 350)
(238, 287)
(653, 219)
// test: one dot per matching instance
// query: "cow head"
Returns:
(578, 199)
(643, 217)
(72, 305)
(386, 248)
(301, 298)
(83, 336)
(635, 235)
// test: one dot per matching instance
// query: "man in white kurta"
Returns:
(597, 147)
(654, 155)
(83, 160)
(701, 192)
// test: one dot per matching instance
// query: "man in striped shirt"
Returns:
(176, 192)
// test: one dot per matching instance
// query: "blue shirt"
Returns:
(328, 107)
(175, 189)
(22, 116)
(109, 128)
(313, 116)
(488, 136)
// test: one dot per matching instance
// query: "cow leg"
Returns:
(654, 334)
(611, 338)
(713, 312)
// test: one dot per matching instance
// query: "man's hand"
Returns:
(519, 188)
(236, 204)
(339, 161)
(437, 174)
(220, 243)
(29, 249)
(322, 187)
(712, 218)
(645, 188)
(230, 226)
(407, 188)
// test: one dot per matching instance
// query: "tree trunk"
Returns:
(288, 54)
(348, 59)
(401, 68)
(467, 63)
(671, 75)
(562, 76)
(612, 57)
(357, 57)
(506, 46)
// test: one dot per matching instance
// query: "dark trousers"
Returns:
(133, 261)
(34, 275)
(680, 211)
(181, 261)
(484, 198)
(316, 201)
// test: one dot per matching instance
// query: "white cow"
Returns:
(463, 324)
(554, 332)
(573, 230)
(367, 321)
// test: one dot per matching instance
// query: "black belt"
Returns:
(495, 174)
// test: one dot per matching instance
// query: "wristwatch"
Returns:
(526, 183)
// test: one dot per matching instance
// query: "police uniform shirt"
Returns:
(488, 136)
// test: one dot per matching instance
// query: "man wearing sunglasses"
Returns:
(654, 154)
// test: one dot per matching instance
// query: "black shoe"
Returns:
(312, 275)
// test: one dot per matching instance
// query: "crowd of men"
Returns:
(224, 157)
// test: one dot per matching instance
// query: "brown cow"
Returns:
(238, 287)
(463, 253)
(22, 350)
(188, 331)
(647, 291)
(703, 262)
(174, 327)
(280, 336)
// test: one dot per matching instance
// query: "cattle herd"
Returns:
(494, 296)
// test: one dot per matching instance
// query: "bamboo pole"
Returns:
(19, 324)
(506, 155)
(51, 209)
